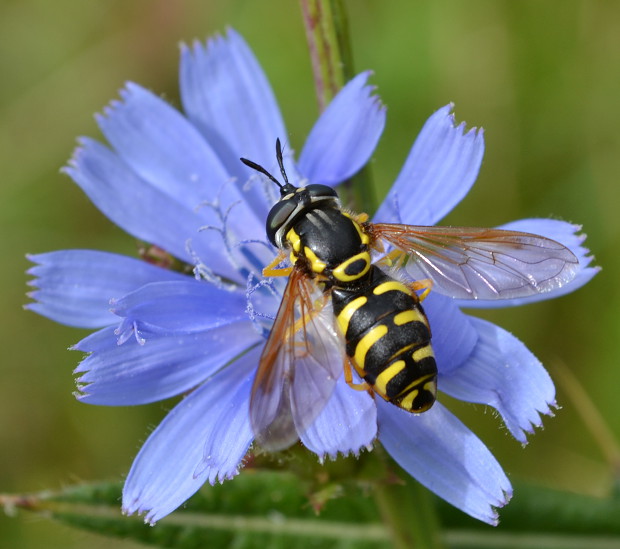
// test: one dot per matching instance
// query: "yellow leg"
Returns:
(306, 317)
(425, 284)
(394, 259)
(348, 377)
(271, 270)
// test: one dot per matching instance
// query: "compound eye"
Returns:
(321, 191)
(278, 216)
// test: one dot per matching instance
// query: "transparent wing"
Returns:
(475, 263)
(299, 366)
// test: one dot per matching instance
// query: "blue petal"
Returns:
(162, 147)
(345, 135)
(165, 150)
(503, 373)
(562, 232)
(75, 286)
(143, 210)
(445, 456)
(157, 367)
(204, 437)
(347, 424)
(454, 335)
(228, 98)
(181, 306)
(439, 171)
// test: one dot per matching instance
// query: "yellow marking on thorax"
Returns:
(295, 240)
(363, 236)
(412, 315)
(347, 312)
(387, 375)
(342, 276)
(364, 344)
(356, 222)
(422, 353)
(316, 264)
(391, 286)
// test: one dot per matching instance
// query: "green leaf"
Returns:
(277, 509)
(256, 510)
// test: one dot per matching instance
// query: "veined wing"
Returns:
(476, 263)
(299, 366)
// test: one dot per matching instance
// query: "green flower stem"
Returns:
(408, 511)
(328, 41)
(327, 33)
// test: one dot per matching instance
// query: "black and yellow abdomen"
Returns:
(385, 329)
(388, 339)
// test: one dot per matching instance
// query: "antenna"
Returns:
(281, 160)
(284, 189)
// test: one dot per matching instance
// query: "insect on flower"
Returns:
(173, 180)
(341, 309)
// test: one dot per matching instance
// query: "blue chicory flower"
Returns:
(176, 181)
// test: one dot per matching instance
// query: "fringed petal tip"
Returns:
(217, 39)
(80, 156)
(345, 136)
(81, 394)
(147, 514)
(448, 459)
(129, 88)
(440, 169)
(333, 456)
(217, 471)
(538, 425)
(494, 517)
(502, 373)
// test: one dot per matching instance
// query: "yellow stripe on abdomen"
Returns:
(364, 344)
(427, 383)
(387, 375)
(348, 311)
(412, 315)
(422, 353)
(392, 285)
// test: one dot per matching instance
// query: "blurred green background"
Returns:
(542, 78)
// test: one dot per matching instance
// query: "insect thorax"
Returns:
(333, 245)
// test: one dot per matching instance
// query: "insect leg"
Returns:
(395, 258)
(425, 284)
(348, 377)
(272, 270)
(307, 316)
(360, 217)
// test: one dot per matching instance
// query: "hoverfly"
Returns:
(342, 312)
